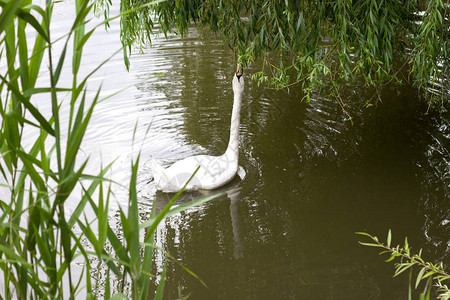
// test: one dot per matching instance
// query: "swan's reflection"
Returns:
(234, 196)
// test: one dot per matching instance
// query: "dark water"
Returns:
(312, 178)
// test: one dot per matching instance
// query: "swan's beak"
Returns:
(239, 71)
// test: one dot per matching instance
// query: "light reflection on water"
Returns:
(312, 179)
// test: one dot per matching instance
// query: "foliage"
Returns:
(40, 243)
(313, 43)
(432, 273)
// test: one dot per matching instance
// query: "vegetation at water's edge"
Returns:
(318, 43)
(40, 242)
(434, 274)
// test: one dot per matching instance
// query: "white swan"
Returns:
(214, 171)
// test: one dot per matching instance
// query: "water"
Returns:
(312, 179)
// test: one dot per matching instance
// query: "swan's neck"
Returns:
(233, 144)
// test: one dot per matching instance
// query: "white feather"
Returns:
(214, 171)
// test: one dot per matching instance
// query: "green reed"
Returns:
(431, 274)
(38, 243)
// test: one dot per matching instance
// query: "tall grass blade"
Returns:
(87, 195)
(82, 9)
(8, 10)
(38, 243)
(84, 39)
(160, 290)
(23, 53)
(183, 207)
(90, 235)
(11, 256)
(147, 260)
(107, 286)
(33, 110)
(115, 242)
(28, 161)
(118, 296)
(68, 184)
(133, 221)
(409, 285)
(30, 19)
(38, 51)
(65, 237)
(60, 65)
(34, 91)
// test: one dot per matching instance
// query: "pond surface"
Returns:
(312, 179)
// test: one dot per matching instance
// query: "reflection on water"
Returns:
(311, 181)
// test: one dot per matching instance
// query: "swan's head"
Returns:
(238, 80)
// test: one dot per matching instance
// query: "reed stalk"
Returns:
(38, 241)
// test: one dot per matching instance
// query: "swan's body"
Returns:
(214, 171)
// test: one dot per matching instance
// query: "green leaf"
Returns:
(8, 10)
(33, 91)
(369, 244)
(60, 65)
(409, 285)
(364, 233)
(30, 19)
(67, 184)
(118, 296)
(392, 257)
(401, 268)
(160, 290)
(133, 221)
(419, 276)
(33, 110)
(428, 274)
(65, 237)
(44, 250)
(86, 196)
(12, 256)
(77, 134)
(107, 286)
(23, 53)
(184, 207)
(84, 40)
(116, 243)
(28, 162)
